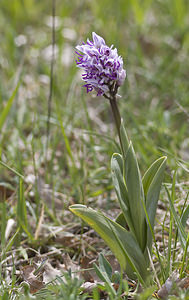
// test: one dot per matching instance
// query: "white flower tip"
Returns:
(122, 77)
(98, 40)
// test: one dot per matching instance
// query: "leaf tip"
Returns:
(74, 207)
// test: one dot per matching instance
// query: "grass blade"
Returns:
(11, 169)
(67, 144)
(182, 233)
(184, 256)
(7, 107)
(170, 228)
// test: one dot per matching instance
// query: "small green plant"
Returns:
(130, 235)
(110, 279)
(67, 287)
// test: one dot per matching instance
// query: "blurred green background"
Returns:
(153, 39)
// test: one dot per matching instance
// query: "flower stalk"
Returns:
(115, 111)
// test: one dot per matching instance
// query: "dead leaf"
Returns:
(70, 265)
(27, 273)
(87, 263)
(50, 273)
(170, 287)
(89, 286)
(184, 283)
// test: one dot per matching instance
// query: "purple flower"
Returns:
(102, 65)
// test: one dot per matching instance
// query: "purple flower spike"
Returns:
(102, 65)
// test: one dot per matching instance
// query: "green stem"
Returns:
(117, 116)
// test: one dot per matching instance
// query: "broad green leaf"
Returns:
(105, 266)
(103, 276)
(120, 188)
(150, 173)
(124, 138)
(121, 242)
(152, 191)
(130, 266)
(136, 196)
(6, 109)
(121, 220)
(104, 272)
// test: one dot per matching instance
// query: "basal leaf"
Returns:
(103, 276)
(150, 173)
(120, 188)
(121, 220)
(152, 190)
(115, 235)
(136, 196)
(105, 267)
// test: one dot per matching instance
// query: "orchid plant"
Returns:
(130, 235)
